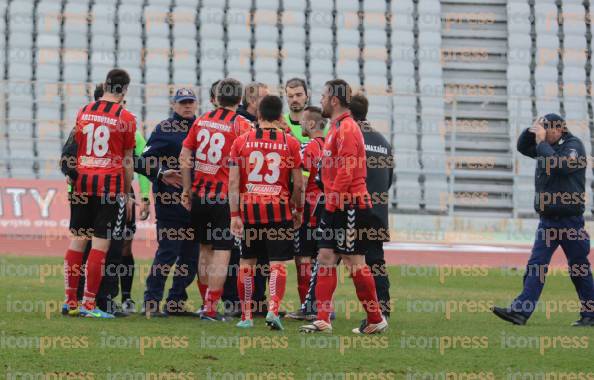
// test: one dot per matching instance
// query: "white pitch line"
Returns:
(456, 248)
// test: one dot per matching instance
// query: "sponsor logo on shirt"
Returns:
(263, 189)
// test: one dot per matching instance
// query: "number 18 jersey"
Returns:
(211, 137)
(104, 130)
(265, 158)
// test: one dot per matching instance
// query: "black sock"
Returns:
(127, 276)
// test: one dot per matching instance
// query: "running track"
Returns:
(396, 253)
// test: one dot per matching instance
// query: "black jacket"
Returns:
(560, 177)
(161, 153)
(242, 111)
(380, 169)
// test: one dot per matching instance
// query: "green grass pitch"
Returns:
(440, 329)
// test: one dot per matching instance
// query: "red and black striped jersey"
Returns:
(103, 132)
(265, 158)
(211, 137)
(312, 155)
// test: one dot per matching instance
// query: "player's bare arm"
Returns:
(236, 222)
(185, 164)
(128, 177)
(298, 196)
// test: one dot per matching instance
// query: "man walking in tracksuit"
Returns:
(560, 199)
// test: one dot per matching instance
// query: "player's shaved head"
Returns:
(314, 114)
(117, 82)
(270, 108)
(228, 92)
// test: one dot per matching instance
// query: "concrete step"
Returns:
(466, 78)
(475, 65)
(492, 31)
(499, 175)
(489, 187)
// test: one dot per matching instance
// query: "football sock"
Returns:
(303, 278)
(325, 290)
(93, 274)
(278, 283)
(245, 286)
(365, 287)
(127, 276)
(72, 271)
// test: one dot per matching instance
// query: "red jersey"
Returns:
(344, 165)
(104, 130)
(265, 158)
(211, 137)
(312, 155)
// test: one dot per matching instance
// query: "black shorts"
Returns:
(97, 216)
(273, 241)
(211, 219)
(306, 240)
(347, 231)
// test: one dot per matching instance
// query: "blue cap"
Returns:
(184, 94)
(553, 120)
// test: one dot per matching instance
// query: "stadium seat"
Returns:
(129, 16)
(48, 17)
(73, 40)
(48, 72)
(103, 19)
(156, 20)
(347, 67)
(240, 4)
(184, 77)
(348, 39)
(184, 23)
(20, 18)
(75, 18)
(103, 42)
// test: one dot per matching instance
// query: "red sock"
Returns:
(303, 278)
(245, 286)
(278, 284)
(202, 289)
(211, 301)
(93, 274)
(324, 291)
(365, 287)
(72, 270)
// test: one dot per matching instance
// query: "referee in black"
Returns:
(560, 198)
(380, 168)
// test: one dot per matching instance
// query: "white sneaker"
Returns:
(129, 306)
(371, 328)
(317, 326)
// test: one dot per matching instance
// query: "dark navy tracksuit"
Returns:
(177, 245)
(560, 201)
(380, 169)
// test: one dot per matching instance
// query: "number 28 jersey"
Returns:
(265, 158)
(211, 137)
(104, 130)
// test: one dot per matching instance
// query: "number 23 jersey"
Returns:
(104, 131)
(211, 137)
(265, 158)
